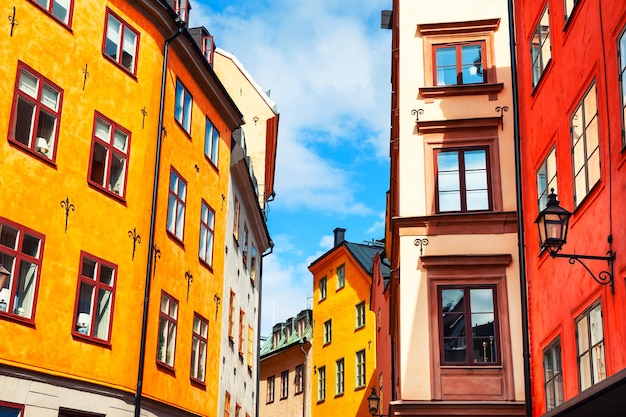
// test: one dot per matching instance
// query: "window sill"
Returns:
(359, 388)
(44, 159)
(166, 368)
(180, 125)
(18, 319)
(198, 383)
(460, 90)
(176, 239)
(90, 339)
(205, 264)
(125, 70)
(356, 329)
(66, 26)
(109, 193)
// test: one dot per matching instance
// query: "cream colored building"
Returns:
(456, 310)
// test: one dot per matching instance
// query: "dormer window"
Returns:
(207, 47)
(182, 8)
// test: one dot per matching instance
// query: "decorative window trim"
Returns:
(467, 270)
(227, 404)
(79, 326)
(49, 10)
(118, 59)
(111, 152)
(453, 33)
(16, 270)
(36, 147)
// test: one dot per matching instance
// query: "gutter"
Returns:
(155, 189)
(520, 216)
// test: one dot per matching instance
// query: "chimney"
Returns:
(340, 236)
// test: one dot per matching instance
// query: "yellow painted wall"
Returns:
(100, 224)
(340, 306)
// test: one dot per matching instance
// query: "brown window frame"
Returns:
(170, 318)
(197, 369)
(459, 62)
(178, 200)
(118, 60)
(49, 9)
(467, 317)
(462, 178)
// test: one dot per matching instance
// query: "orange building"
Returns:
(344, 352)
(117, 192)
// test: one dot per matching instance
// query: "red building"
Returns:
(571, 60)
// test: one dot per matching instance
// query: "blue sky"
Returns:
(327, 65)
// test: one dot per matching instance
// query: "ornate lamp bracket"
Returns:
(421, 242)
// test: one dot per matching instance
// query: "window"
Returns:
(59, 9)
(253, 259)
(236, 220)
(211, 142)
(182, 7)
(341, 277)
(459, 64)
(321, 383)
(168, 319)
(569, 8)
(11, 410)
(284, 384)
(339, 377)
(109, 156)
(36, 113)
(540, 48)
(231, 316)
(463, 182)
(328, 331)
(121, 42)
(585, 146)
(360, 369)
(462, 309)
(244, 249)
(553, 375)
(250, 346)
(360, 315)
(242, 333)
(176, 205)
(546, 179)
(207, 48)
(21, 252)
(95, 298)
(590, 342)
(270, 390)
(199, 341)
(227, 404)
(322, 288)
(182, 107)
(207, 226)
(237, 410)
(299, 379)
(621, 47)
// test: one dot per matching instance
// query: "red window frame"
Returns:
(96, 283)
(207, 226)
(170, 318)
(49, 154)
(466, 316)
(182, 112)
(207, 48)
(49, 9)
(118, 59)
(237, 410)
(17, 407)
(231, 316)
(111, 152)
(177, 198)
(198, 370)
(462, 178)
(211, 142)
(17, 234)
(459, 61)
(182, 7)
(227, 404)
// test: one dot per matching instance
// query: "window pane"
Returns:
(28, 84)
(106, 275)
(8, 236)
(128, 49)
(60, 9)
(594, 168)
(50, 98)
(595, 319)
(452, 300)
(103, 314)
(118, 171)
(25, 117)
(454, 350)
(482, 324)
(599, 367)
(472, 64)
(26, 289)
(583, 335)
(46, 127)
(481, 300)
(30, 245)
(99, 164)
(113, 37)
(585, 372)
(103, 130)
(119, 140)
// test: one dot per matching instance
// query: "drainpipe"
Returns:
(155, 187)
(258, 339)
(520, 216)
(302, 342)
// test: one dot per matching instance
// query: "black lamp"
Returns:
(373, 402)
(553, 223)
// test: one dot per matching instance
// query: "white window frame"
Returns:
(547, 179)
(341, 276)
(590, 347)
(322, 287)
(328, 331)
(360, 315)
(321, 383)
(340, 376)
(359, 369)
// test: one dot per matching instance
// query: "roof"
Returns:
(289, 338)
(363, 253)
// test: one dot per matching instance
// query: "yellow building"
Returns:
(344, 352)
(86, 223)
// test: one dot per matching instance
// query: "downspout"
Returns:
(302, 342)
(258, 339)
(520, 216)
(155, 188)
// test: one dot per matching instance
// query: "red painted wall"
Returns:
(582, 51)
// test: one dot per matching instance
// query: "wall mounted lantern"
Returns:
(553, 223)
(373, 402)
